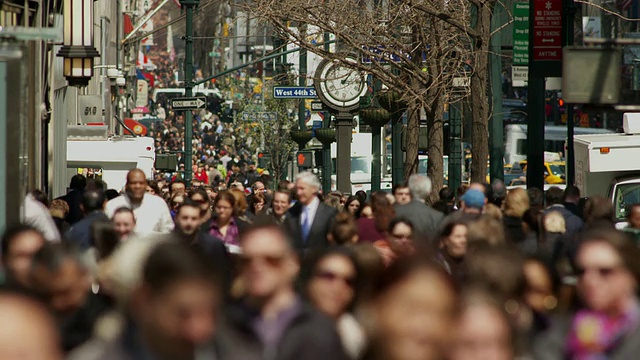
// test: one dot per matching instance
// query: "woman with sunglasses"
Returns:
(608, 325)
(332, 287)
(200, 197)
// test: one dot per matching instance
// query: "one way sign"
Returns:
(188, 103)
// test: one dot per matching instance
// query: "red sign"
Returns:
(136, 127)
(547, 30)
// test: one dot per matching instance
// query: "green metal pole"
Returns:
(570, 10)
(189, 6)
(326, 149)
(535, 133)
(455, 152)
(496, 136)
(376, 138)
(302, 82)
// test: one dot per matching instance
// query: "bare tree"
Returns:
(399, 44)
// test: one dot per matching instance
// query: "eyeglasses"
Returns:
(331, 276)
(602, 272)
(271, 260)
(199, 201)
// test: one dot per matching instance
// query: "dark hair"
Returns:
(226, 196)
(93, 200)
(447, 230)
(41, 197)
(256, 199)
(52, 255)
(283, 186)
(12, 232)
(343, 251)
(78, 182)
(104, 237)
(200, 191)
(176, 181)
(399, 220)
(170, 263)
(154, 185)
(351, 199)
(598, 209)
(446, 194)
(536, 196)
(362, 195)
(382, 209)
(344, 228)
(111, 194)
(630, 208)
(400, 185)
(93, 184)
(188, 203)
(554, 196)
(571, 191)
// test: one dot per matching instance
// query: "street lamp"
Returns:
(78, 51)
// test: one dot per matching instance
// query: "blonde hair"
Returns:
(516, 203)
(486, 230)
(59, 208)
(553, 222)
(493, 211)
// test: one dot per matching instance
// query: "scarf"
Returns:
(595, 336)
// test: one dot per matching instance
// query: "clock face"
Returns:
(340, 86)
(343, 84)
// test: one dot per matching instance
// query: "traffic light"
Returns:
(305, 159)
(264, 160)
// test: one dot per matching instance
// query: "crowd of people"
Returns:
(292, 273)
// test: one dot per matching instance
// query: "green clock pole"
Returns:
(188, 6)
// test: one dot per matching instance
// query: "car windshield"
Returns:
(625, 196)
(557, 170)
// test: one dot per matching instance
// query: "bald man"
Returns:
(152, 213)
(32, 334)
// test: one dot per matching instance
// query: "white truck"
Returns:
(110, 159)
(361, 164)
(607, 165)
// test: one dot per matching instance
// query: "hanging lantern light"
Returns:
(78, 50)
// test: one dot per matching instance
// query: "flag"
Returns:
(128, 24)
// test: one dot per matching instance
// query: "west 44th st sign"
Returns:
(190, 103)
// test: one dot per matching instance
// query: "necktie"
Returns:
(306, 224)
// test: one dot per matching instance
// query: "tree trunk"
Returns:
(435, 166)
(411, 135)
(479, 98)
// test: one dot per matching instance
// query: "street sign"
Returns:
(294, 92)
(190, 103)
(317, 106)
(519, 76)
(521, 34)
(305, 158)
(142, 93)
(262, 116)
(547, 30)
(90, 108)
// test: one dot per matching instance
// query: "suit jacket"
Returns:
(320, 227)
(81, 233)
(424, 218)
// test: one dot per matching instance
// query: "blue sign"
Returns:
(294, 92)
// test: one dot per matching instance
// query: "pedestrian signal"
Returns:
(305, 159)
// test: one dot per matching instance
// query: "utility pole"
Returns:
(326, 149)
(496, 138)
(570, 10)
(188, 6)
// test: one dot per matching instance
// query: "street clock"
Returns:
(339, 86)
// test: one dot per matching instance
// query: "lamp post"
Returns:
(78, 50)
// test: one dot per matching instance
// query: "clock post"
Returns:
(344, 124)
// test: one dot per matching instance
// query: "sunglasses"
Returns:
(603, 272)
(271, 260)
(199, 201)
(331, 276)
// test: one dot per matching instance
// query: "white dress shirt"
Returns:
(310, 211)
(152, 214)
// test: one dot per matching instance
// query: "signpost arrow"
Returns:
(189, 103)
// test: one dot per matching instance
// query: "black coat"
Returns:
(317, 238)
(81, 233)
(73, 199)
(309, 336)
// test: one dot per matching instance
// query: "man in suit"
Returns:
(424, 218)
(93, 202)
(309, 220)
